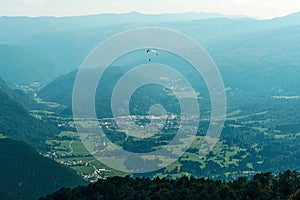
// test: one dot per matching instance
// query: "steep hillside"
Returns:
(25, 174)
(16, 123)
(19, 96)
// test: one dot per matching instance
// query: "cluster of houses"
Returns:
(93, 177)
(73, 163)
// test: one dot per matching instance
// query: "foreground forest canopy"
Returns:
(262, 186)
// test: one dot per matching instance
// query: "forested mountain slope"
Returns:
(25, 174)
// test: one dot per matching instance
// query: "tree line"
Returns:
(263, 186)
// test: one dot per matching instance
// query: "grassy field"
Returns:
(70, 146)
(68, 143)
(2, 136)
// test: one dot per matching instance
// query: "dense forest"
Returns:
(25, 174)
(16, 123)
(262, 186)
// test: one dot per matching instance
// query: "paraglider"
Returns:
(152, 51)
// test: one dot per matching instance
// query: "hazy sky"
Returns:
(253, 8)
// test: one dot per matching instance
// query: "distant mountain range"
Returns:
(46, 47)
(22, 65)
(37, 25)
(258, 61)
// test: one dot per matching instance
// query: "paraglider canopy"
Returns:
(152, 51)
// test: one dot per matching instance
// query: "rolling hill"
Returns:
(21, 65)
(269, 58)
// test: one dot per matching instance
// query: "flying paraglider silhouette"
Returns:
(152, 51)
